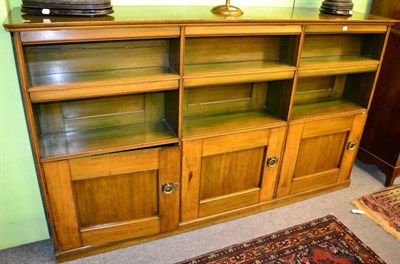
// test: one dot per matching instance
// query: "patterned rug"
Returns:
(324, 240)
(384, 208)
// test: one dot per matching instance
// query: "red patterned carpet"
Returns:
(384, 208)
(324, 240)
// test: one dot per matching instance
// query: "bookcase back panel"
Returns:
(101, 112)
(100, 56)
(221, 99)
(232, 49)
(331, 45)
(343, 45)
(79, 126)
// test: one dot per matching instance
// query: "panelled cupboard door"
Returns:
(228, 172)
(113, 197)
(319, 153)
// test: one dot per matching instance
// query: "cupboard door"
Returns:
(228, 172)
(319, 153)
(114, 197)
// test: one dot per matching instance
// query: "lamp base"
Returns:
(225, 10)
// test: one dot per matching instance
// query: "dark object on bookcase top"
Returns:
(337, 7)
(67, 7)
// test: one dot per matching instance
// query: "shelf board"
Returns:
(211, 125)
(337, 62)
(324, 108)
(58, 146)
(228, 68)
(122, 76)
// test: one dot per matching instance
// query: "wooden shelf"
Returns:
(227, 68)
(228, 122)
(338, 62)
(98, 141)
(324, 108)
(234, 72)
(120, 76)
(104, 83)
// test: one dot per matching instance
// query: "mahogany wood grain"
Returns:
(380, 144)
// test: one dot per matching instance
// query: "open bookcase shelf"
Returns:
(122, 76)
(229, 122)
(111, 67)
(101, 125)
(332, 94)
(72, 144)
(221, 108)
(324, 108)
(154, 121)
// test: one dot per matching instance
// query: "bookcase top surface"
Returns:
(185, 15)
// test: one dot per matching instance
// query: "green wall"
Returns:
(22, 217)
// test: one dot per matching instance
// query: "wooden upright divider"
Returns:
(150, 125)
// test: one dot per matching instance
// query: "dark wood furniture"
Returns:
(155, 121)
(380, 144)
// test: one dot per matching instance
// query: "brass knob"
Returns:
(271, 162)
(169, 187)
(351, 145)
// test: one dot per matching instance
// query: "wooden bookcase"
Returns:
(149, 125)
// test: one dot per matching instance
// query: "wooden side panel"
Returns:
(191, 172)
(349, 155)
(57, 175)
(289, 161)
(235, 142)
(270, 174)
(169, 163)
(109, 165)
